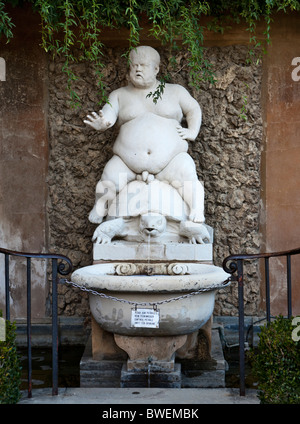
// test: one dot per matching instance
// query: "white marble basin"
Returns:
(181, 316)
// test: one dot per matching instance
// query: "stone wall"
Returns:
(23, 162)
(227, 156)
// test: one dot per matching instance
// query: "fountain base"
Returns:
(151, 317)
(199, 363)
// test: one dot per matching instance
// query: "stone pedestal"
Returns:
(151, 361)
(156, 352)
(167, 252)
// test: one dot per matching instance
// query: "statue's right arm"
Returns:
(107, 116)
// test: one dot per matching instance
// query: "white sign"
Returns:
(144, 318)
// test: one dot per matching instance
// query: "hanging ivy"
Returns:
(67, 25)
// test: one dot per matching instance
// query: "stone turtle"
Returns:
(151, 210)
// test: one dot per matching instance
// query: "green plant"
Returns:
(69, 25)
(276, 363)
(10, 369)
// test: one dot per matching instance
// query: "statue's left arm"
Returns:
(192, 112)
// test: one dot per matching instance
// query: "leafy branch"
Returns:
(157, 94)
(6, 25)
(69, 25)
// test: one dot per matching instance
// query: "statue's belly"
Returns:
(149, 143)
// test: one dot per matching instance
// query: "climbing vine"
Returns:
(69, 25)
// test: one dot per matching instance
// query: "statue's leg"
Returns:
(181, 174)
(115, 176)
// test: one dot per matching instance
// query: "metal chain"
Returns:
(154, 304)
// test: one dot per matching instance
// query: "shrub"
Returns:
(276, 363)
(10, 369)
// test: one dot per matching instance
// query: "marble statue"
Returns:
(152, 283)
(151, 147)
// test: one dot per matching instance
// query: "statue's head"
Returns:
(144, 66)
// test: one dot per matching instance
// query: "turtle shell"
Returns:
(138, 198)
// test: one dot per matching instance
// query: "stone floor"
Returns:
(141, 396)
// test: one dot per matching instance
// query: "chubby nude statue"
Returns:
(151, 143)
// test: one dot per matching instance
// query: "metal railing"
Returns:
(57, 268)
(234, 264)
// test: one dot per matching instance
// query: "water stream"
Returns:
(149, 268)
(149, 373)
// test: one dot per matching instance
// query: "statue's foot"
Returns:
(198, 239)
(94, 217)
(196, 216)
(195, 232)
(99, 237)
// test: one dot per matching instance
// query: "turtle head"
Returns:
(152, 224)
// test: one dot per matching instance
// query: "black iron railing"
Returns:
(234, 264)
(57, 268)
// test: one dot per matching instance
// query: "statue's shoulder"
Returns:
(121, 91)
(118, 91)
(177, 88)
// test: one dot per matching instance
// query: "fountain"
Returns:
(152, 284)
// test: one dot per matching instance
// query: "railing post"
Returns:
(241, 325)
(54, 329)
(63, 270)
(289, 286)
(7, 300)
(233, 264)
(268, 303)
(29, 327)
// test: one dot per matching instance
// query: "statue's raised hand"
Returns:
(98, 122)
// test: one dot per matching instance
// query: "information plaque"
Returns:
(144, 318)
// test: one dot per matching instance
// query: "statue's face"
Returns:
(143, 70)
